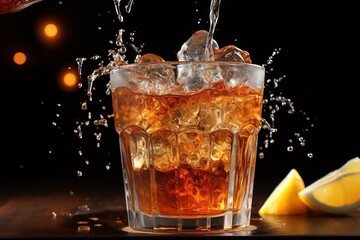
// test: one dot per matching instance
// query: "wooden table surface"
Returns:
(67, 210)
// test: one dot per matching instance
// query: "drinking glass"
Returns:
(188, 135)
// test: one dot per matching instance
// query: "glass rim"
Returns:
(179, 63)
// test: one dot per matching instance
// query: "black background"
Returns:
(319, 56)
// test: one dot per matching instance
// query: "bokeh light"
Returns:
(51, 30)
(68, 80)
(19, 58)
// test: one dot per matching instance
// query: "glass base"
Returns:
(227, 223)
(244, 230)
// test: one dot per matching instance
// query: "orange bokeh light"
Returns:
(19, 58)
(68, 80)
(50, 30)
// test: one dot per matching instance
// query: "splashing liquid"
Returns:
(275, 103)
(117, 57)
(214, 16)
(272, 105)
(128, 7)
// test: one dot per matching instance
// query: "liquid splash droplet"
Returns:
(84, 228)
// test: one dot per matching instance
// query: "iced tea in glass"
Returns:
(188, 138)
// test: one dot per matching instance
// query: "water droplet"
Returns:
(84, 106)
(84, 228)
(82, 222)
(98, 136)
(107, 167)
(129, 6)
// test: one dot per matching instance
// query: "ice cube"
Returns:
(194, 48)
(195, 76)
(139, 150)
(155, 78)
(182, 114)
(221, 146)
(194, 149)
(164, 144)
(232, 53)
(207, 118)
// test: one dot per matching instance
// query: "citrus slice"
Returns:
(338, 192)
(284, 199)
(353, 165)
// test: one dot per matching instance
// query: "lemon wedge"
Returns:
(284, 199)
(353, 165)
(338, 192)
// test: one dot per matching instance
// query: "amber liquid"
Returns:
(188, 155)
